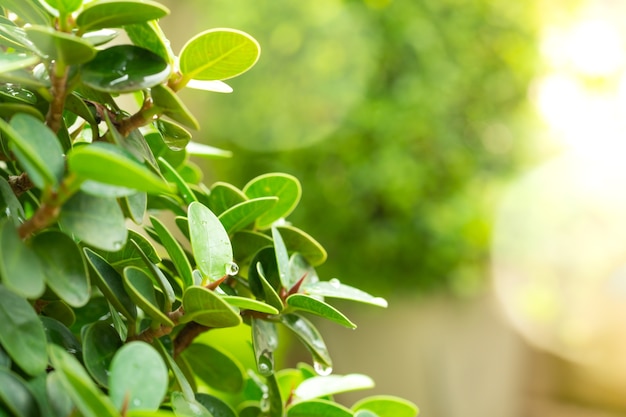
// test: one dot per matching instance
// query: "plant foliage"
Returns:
(115, 256)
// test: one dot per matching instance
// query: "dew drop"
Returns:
(264, 404)
(232, 269)
(266, 363)
(321, 369)
(335, 283)
(118, 245)
(136, 403)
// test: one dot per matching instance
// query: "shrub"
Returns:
(116, 257)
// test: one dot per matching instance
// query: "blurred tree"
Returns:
(402, 118)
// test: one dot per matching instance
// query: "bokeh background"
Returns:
(463, 158)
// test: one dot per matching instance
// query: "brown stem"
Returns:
(144, 116)
(150, 334)
(20, 184)
(187, 335)
(44, 216)
(58, 91)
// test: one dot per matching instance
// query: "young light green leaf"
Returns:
(218, 54)
(224, 196)
(109, 164)
(149, 35)
(318, 408)
(175, 251)
(64, 266)
(117, 13)
(216, 368)
(245, 213)
(264, 343)
(89, 400)
(205, 151)
(65, 6)
(100, 342)
(387, 406)
(207, 308)
(249, 304)
(16, 396)
(322, 386)
(124, 68)
(138, 377)
(312, 305)
(29, 11)
(175, 137)
(21, 333)
(335, 289)
(286, 187)
(211, 246)
(140, 288)
(20, 268)
(59, 46)
(297, 240)
(172, 106)
(94, 220)
(282, 260)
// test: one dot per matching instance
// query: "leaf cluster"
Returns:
(116, 256)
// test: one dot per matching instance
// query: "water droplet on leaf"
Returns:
(322, 369)
(264, 404)
(335, 283)
(232, 269)
(266, 363)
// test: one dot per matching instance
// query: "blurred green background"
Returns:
(402, 119)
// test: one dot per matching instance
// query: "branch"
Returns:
(20, 183)
(186, 336)
(58, 90)
(43, 217)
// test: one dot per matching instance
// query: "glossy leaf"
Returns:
(211, 246)
(207, 308)
(205, 151)
(249, 304)
(335, 289)
(171, 175)
(179, 377)
(312, 305)
(323, 386)
(36, 148)
(100, 343)
(138, 378)
(275, 400)
(30, 11)
(387, 406)
(14, 93)
(89, 400)
(11, 62)
(59, 46)
(21, 333)
(116, 13)
(94, 220)
(59, 334)
(164, 98)
(130, 255)
(210, 85)
(16, 396)
(65, 6)
(245, 213)
(159, 278)
(175, 137)
(109, 164)
(58, 398)
(64, 266)
(215, 406)
(224, 196)
(100, 37)
(318, 408)
(215, 368)
(218, 54)
(282, 260)
(20, 268)
(149, 35)
(286, 187)
(139, 287)
(299, 241)
(264, 343)
(262, 288)
(310, 337)
(175, 251)
(185, 407)
(125, 68)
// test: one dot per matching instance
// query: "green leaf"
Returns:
(275, 400)
(298, 241)
(261, 287)
(125, 68)
(246, 244)
(387, 406)
(171, 175)
(14, 93)
(29, 11)
(322, 386)
(174, 136)
(20, 268)
(365, 413)
(216, 368)
(224, 196)
(318, 408)
(116, 13)
(36, 148)
(210, 85)
(100, 37)
(286, 187)
(16, 396)
(335, 289)
(245, 213)
(62, 47)
(89, 400)
(312, 339)
(100, 342)
(59, 334)
(130, 254)
(59, 310)
(208, 152)
(312, 305)
(175, 251)
(211, 246)
(96, 221)
(149, 35)
(185, 407)
(109, 164)
(140, 288)
(21, 333)
(159, 278)
(215, 406)
(207, 308)
(218, 54)
(138, 377)
(15, 61)
(64, 265)
(249, 304)
(60, 401)
(282, 260)
(135, 206)
(264, 343)
(164, 98)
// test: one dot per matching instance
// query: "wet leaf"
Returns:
(215, 406)
(164, 98)
(59, 334)
(264, 343)
(185, 407)
(310, 337)
(282, 260)
(149, 35)
(174, 136)
(215, 368)
(100, 342)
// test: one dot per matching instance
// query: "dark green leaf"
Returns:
(125, 68)
(318, 408)
(138, 378)
(16, 396)
(181, 380)
(387, 406)
(245, 213)
(185, 407)
(159, 278)
(149, 35)
(312, 339)
(11, 62)
(65, 268)
(175, 251)
(100, 342)
(275, 400)
(21, 333)
(262, 288)
(264, 343)
(314, 306)
(286, 187)
(60, 311)
(245, 245)
(335, 289)
(207, 308)
(60, 335)
(20, 268)
(323, 386)
(96, 221)
(215, 368)
(116, 13)
(216, 407)
(129, 255)
(140, 288)
(59, 46)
